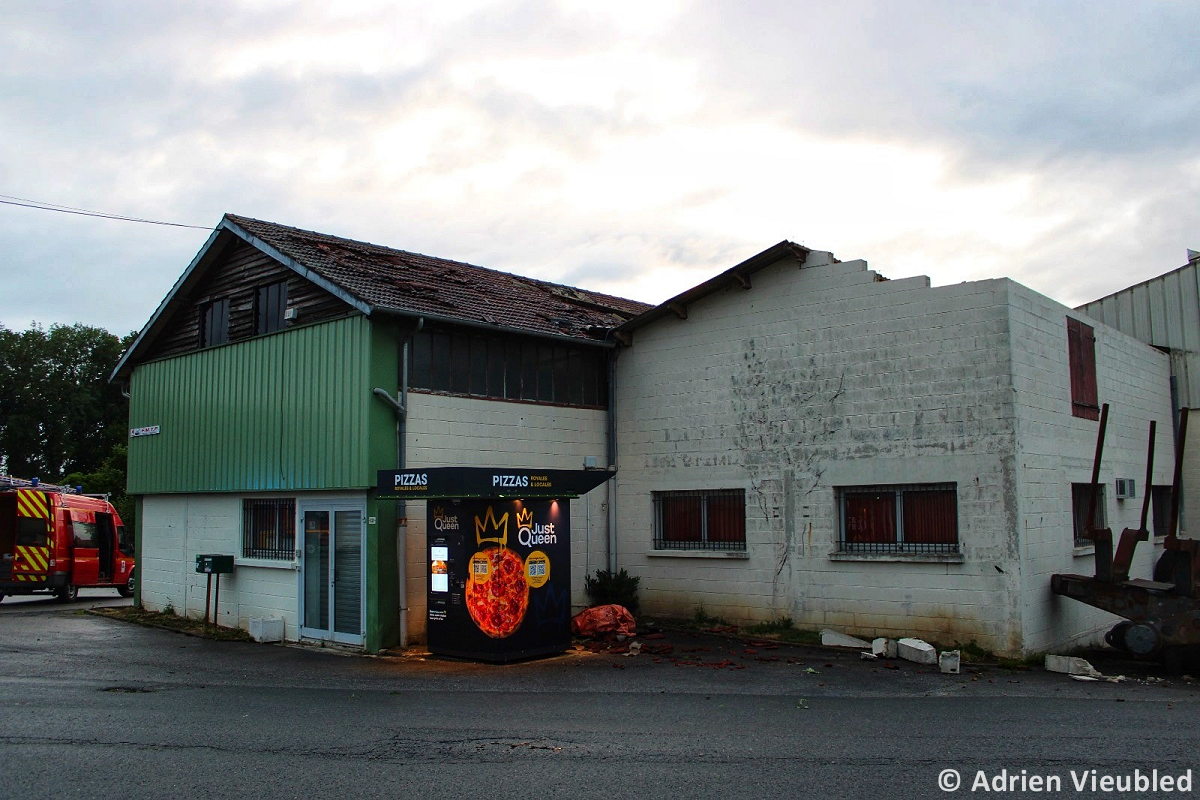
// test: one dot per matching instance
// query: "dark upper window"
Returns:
(214, 322)
(269, 528)
(509, 367)
(270, 303)
(709, 519)
(1160, 503)
(899, 519)
(1081, 352)
(1081, 495)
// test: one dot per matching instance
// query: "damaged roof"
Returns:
(385, 279)
(372, 278)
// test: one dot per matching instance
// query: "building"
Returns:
(797, 437)
(1165, 312)
(271, 382)
(910, 460)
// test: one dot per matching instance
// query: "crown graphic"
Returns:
(438, 512)
(490, 523)
(524, 518)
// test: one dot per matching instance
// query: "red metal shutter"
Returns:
(871, 517)
(1081, 354)
(931, 516)
(681, 518)
(727, 517)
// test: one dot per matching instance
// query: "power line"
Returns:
(23, 202)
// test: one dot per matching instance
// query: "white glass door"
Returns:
(331, 574)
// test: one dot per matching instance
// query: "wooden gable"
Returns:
(237, 273)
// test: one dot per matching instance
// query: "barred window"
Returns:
(708, 519)
(269, 529)
(1160, 501)
(899, 519)
(1081, 496)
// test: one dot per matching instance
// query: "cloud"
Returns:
(633, 149)
(1002, 80)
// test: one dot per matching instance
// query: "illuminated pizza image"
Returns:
(497, 593)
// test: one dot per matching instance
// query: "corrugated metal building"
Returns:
(1165, 312)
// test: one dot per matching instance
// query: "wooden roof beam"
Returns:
(679, 308)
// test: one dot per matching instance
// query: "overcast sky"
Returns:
(629, 147)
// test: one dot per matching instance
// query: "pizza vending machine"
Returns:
(499, 577)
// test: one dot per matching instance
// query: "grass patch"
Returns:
(973, 653)
(784, 630)
(171, 621)
(703, 619)
(1026, 663)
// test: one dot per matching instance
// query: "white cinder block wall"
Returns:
(1056, 449)
(178, 527)
(465, 432)
(824, 377)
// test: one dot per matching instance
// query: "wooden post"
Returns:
(207, 594)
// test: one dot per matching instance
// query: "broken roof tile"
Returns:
(397, 280)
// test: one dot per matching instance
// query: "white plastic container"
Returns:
(266, 629)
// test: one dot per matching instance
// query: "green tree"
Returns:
(61, 415)
(108, 479)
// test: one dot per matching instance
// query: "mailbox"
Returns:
(212, 564)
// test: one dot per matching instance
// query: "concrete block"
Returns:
(1071, 665)
(917, 651)
(266, 629)
(949, 662)
(834, 639)
(884, 648)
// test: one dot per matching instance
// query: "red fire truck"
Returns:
(55, 540)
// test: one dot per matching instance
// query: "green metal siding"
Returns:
(286, 412)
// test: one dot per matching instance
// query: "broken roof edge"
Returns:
(442, 319)
(734, 276)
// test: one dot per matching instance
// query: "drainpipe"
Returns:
(612, 460)
(1175, 440)
(400, 407)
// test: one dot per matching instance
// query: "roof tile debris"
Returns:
(396, 280)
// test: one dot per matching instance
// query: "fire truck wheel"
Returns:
(127, 589)
(67, 593)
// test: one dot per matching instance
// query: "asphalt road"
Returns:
(91, 707)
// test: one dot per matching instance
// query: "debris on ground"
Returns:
(884, 648)
(917, 651)
(834, 639)
(950, 662)
(600, 620)
(1071, 665)
(1098, 678)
